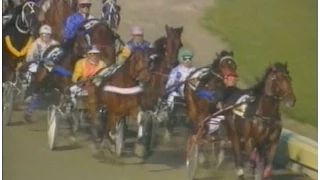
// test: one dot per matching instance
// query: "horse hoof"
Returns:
(111, 147)
(139, 150)
(166, 137)
(20, 107)
(201, 158)
(72, 138)
(220, 158)
(267, 172)
(95, 148)
(27, 118)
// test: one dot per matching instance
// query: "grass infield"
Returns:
(264, 31)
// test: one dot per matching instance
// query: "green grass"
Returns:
(264, 31)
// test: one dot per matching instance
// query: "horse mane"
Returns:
(159, 44)
(259, 86)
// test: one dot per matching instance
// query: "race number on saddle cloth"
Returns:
(178, 75)
(84, 69)
(73, 22)
(137, 41)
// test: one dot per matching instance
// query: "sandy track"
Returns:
(25, 147)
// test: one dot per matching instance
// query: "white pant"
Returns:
(75, 90)
(170, 99)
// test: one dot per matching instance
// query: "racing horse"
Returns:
(111, 13)
(17, 38)
(101, 35)
(200, 93)
(165, 49)
(118, 94)
(54, 13)
(261, 129)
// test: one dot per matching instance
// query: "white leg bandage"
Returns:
(73, 91)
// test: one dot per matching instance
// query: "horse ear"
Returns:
(167, 28)
(180, 30)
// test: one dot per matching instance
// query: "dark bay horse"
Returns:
(54, 13)
(261, 130)
(111, 13)
(118, 93)
(101, 36)
(17, 38)
(207, 80)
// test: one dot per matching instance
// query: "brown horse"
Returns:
(165, 49)
(101, 36)
(261, 129)
(118, 93)
(54, 13)
(172, 45)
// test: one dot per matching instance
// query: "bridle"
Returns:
(31, 5)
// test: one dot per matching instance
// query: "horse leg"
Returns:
(169, 123)
(271, 151)
(139, 148)
(92, 111)
(235, 141)
(110, 130)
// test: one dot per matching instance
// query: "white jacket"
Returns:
(176, 76)
(37, 48)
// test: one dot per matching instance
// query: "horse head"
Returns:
(224, 64)
(139, 65)
(27, 20)
(111, 13)
(172, 45)
(278, 84)
(101, 36)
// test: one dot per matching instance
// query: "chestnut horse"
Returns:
(54, 13)
(101, 35)
(118, 93)
(261, 129)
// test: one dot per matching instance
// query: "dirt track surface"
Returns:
(25, 152)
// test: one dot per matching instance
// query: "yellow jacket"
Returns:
(125, 52)
(85, 69)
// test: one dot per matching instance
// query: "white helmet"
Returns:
(45, 29)
(93, 50)
(136, 30)
(84, 2)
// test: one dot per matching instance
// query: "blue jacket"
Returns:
(144, 45)
(72, 24)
